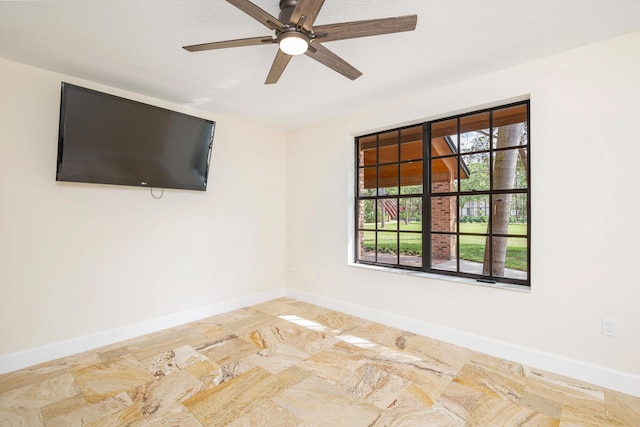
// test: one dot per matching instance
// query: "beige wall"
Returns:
(80, 259)
(585, 156)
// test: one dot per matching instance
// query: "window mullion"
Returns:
(426, 197)
(398, 204)
(491, 197)
(356, 219)
(377, 194)
(459, 164)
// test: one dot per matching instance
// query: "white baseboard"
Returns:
(19, 360)
(593, 374)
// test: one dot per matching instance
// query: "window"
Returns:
(449, 196)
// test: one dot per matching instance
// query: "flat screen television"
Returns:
(106, 139)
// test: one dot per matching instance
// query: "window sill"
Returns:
(442, 277)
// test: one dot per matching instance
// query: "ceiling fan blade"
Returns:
(333, 61)
(230, 43)
(307, 8)
(279, 64)
(372, 27)
(258, 14)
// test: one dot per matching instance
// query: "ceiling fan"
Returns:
(295, 34)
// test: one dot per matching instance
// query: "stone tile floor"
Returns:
(289, 363)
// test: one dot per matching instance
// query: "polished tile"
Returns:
(157, 398)
(290, 363)
(247, 325)
(334, 363)
(32, 375)
(181, 418)
(541, 404)
(338, 321)
(173, 360)
(268, 413)
(383, 335)
(31, 418)
(457, 402)
(285, 336)
(222, 404)
(565, 390)
(577, 416)
(126, 417)
(318, 402)
(107, 379)
(376, 385)
(76, 411)
(146, 350)
(37, 395)
(622, 408)
(492, 375)
(231, 316)
(413, 408)
(492, 410)
(227, 349)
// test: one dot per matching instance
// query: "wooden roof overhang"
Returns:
(410, 141)
(407, 144)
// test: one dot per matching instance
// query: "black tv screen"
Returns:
(111, 140)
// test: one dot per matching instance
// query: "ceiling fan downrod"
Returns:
(286, 10)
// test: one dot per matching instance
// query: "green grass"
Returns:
(479, 227)
(412, 226)
(471, 247)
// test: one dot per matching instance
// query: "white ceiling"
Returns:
(136, 46)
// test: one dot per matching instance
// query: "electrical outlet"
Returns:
(609, 327)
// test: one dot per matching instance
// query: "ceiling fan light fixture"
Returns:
(293, 42)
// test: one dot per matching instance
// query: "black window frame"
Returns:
(428, 196)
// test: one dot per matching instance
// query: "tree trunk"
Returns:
(407, 210)
(504, 176)
(523, 158)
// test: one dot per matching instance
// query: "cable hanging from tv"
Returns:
(157, 197)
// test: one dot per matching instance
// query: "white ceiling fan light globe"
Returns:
(293, 43)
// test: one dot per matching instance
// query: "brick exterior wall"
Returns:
(443, 212)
